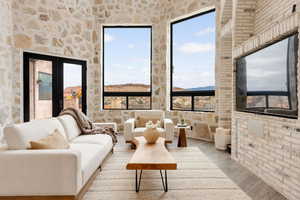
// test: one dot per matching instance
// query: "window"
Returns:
(127, 67)
(52, 84)
(193, 63)
(267, 79)
(45, 86)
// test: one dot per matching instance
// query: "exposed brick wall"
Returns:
(274, 155)
(270, 12)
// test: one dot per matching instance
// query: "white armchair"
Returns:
(132, 128)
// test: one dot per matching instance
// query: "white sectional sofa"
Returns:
(61, 174)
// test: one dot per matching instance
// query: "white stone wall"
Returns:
(273, 154)
(61, 28)
(5, 62)
(73, 29)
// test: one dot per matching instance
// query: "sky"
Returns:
(194, 52)
(72, 75)
(266, 69)
(127, 53)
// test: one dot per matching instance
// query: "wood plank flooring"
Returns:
(112, 184)
(253, 186)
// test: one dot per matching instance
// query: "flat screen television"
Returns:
(266, 80)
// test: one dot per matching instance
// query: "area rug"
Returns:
(196, 178)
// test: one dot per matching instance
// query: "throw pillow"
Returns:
(52, 141)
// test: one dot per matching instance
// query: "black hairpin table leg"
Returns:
(164, 182)
(138, 182)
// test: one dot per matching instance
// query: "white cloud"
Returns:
(131, 46)
(205, 31)
(193, 47)
(108, 38)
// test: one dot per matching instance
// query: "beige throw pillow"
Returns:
(52, 141)
(140, 122)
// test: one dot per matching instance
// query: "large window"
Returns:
(267, 79)
(127, 67)
(193, 63)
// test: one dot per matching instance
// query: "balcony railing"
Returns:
(203, 101)
(127, 101)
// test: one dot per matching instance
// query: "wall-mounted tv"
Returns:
(266, 80)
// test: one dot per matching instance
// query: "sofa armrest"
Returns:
(128, 129)
(40, 172)
(112, 125)
(169, 127)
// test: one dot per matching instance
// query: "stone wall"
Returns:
(5, 62)
(268, 146)
(73, 29)
(61, 28)
(159, 14)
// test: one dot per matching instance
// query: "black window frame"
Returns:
(125, 94)
(192, 94)
(266, 94)
(57, 82)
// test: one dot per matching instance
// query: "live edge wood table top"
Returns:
(151, 156)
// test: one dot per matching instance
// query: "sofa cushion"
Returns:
(93, 139)
(70, 125)
(92, 156)
(17, 136)
(52, 141)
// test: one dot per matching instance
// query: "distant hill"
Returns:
(201, 88)
(133, 87)
(129, 87)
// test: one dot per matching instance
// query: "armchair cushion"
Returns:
(140, 131)
(142, 121)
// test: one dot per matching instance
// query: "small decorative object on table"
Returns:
(151, 133)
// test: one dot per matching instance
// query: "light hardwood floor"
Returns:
(247, 181)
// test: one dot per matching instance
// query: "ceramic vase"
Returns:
(151, 135)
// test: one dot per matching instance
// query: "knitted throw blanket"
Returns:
(86, 126)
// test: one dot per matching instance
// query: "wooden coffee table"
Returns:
(151, 157)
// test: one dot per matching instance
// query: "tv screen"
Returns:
(266, 80)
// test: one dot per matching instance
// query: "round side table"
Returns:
(182, 142)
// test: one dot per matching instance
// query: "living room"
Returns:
(217, 79)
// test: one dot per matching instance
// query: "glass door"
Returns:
(74, 84)
(52, 84)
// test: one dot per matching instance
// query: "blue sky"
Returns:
(127, 53)
(194, 52)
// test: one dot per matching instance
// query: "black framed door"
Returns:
(52, 84)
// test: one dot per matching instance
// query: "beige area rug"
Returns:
(196, 178)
